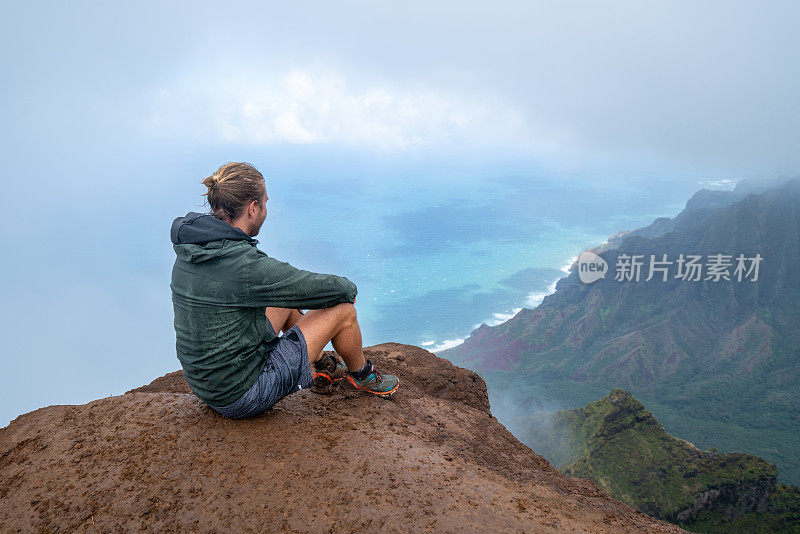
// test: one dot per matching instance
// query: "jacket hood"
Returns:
(198, 237)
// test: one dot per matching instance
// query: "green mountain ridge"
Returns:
(617, 443)
(716, 362)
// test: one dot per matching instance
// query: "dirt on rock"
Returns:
(431, 458)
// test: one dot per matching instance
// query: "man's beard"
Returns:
(253, 230)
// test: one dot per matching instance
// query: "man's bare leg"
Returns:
(282, 319)
(338, 325)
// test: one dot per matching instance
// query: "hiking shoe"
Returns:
(375, 382)
(328, 373)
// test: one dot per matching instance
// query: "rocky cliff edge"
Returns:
(431, 458)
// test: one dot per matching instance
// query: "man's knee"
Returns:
(335, 317)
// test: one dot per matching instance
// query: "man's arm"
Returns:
(275, 283)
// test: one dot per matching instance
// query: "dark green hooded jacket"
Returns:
(221, 286)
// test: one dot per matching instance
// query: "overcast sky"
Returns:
(112, 112)
(710, 86)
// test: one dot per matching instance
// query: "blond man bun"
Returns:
(232, 188)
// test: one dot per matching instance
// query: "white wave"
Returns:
(566, 267)
(427, 343)
(500, 318)
(728, 184)
(447, 344)
(534, 299)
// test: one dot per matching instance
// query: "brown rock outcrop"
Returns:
(431, 458)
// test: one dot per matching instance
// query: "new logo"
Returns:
(591, 267)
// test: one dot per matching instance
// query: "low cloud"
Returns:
(303, 106)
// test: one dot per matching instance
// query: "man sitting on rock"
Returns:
(231, 300)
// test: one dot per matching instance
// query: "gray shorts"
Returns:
(287, 370)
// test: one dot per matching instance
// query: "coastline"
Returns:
(534, 299)
(531, 301)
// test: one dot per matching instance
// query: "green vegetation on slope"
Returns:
(628, 454)
(617, 443)
(781, 516)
